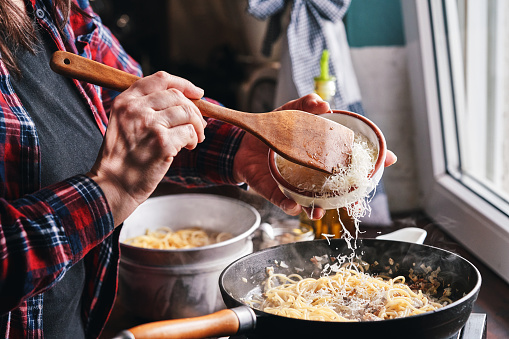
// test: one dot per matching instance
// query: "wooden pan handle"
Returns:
(221, 323)
(78, 67)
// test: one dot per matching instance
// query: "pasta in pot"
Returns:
(165, 238)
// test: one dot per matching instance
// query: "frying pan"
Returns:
(245, 276)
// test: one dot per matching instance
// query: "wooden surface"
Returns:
(493, 297)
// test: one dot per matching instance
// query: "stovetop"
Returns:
(475, 328)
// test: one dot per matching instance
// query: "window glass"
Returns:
(483, 121)
(458, 63)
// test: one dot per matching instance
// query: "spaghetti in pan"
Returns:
(348, 295)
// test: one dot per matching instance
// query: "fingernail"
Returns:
(288, 205)
(315, 214)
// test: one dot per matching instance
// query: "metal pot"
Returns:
(168, 284)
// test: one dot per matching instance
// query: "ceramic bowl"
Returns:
(357, 123)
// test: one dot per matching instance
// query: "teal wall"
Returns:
(375, 23)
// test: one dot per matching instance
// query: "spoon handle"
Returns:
(325, 147)
(247, 121)
(78, 67)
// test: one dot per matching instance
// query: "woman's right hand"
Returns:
(149, 124)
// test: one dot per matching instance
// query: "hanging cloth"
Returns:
(314, 25)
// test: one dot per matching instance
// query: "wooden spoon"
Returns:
(301, 137)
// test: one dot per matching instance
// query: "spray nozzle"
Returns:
(324, 67)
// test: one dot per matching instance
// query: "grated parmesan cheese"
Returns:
(356, 175)
(351, 185)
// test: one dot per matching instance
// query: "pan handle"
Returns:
(221, 323)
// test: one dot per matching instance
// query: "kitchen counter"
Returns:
(493, 297)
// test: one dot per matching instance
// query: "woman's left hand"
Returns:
(251, 163)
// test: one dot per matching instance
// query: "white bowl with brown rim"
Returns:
(306, 198)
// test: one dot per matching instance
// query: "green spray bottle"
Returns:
(325, 85)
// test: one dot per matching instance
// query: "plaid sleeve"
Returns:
(211, 162)
(44, 233)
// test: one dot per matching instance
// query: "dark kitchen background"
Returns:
(214, 45)
(217, 45)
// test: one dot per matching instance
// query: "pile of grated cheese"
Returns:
(356, 175)
(352, 184)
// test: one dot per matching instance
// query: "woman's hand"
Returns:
(390, 158)
(149, 124)
(251, 163)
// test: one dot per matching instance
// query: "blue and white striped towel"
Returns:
(316, 25)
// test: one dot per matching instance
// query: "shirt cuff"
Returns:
(81, 208)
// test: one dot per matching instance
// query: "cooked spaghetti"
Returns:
(347, 296)
(166, 239)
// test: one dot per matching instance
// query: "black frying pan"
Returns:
(246, 274)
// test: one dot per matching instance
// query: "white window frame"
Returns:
(465, 208)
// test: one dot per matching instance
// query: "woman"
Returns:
(67, 182)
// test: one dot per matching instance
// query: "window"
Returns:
(458, 66)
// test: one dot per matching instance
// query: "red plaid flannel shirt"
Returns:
(43, 232)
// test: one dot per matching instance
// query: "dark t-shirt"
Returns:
(69, 143)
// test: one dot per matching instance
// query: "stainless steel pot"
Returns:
(170, 284)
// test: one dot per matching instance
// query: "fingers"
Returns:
(390, 159)
(182, 128)
(165, 99)
(175, 110)
(314, 213)
(162, 81)
(311, 103)
(290, 207)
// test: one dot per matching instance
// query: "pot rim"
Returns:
(224, 243)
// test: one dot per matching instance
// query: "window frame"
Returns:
(465, 208)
